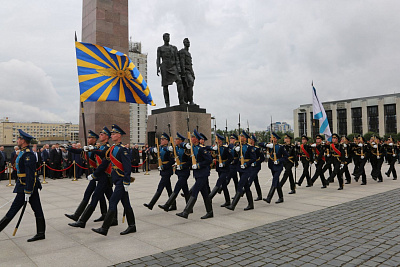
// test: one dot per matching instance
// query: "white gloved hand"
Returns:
(126, 186)
(344, 145)
(276, 162)
(341, 166)
(362, 157)
(221, 165)
(270, 145)
(360, 144)
(373, 143)
(394, 155)
(378, 157)
(85, 148)
(90, 147)
(90, 177)
(243, 166)
(390, 144)
(160, 168)
(178, 167)
(155, 150)
(194, 166)
(27, 196)
(237, 148)
(253, 164)
(314, 145)
(215, 147)
(170, 149)
(188, 146)
(315, 162)
(268, 156)
(374, 146)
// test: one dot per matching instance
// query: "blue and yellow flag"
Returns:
(108, 75)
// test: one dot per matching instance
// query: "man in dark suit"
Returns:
(3, 161)
(135, 158)
(46, 158)
(55, 161)
(38, 158)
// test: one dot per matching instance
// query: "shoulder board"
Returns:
(256, 146)
(27, 150)
(200, 145)
(107, 145)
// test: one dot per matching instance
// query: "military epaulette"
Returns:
(200, 145)
(27, 150)
(108, 145)
(256, 146)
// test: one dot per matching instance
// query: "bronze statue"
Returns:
(170, 69)
(187, 72)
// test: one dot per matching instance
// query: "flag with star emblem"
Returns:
(108, 75)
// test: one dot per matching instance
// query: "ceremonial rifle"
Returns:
(190, 139)
(158, 148)
(177, 161)
(272, 141)
(226, 131)
(240, 143)
(216, 142)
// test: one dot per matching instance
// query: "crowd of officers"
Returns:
(236, 158)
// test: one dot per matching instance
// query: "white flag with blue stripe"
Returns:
(319, 114)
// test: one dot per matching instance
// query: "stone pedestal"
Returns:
(177, 117)
(105, 23)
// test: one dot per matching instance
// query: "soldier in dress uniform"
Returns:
(102, 184)
(376, 158)
(201, 172)
(27, 187)
(182, 171)
(233, 167)
(166, 171)
(256, 166)
(361, 154)
(292, 161)
(117, 156)
(247, 156)
(224, 159)
(319, 161)
(337, 154)
(348, 155)
(391, 156)
(306, 157)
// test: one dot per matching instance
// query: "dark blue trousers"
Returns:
(183, 176)
(119, 194)
(165, 182)
(19, 201)
(201, 185)
(244, 182)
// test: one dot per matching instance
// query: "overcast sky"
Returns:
(256, 58)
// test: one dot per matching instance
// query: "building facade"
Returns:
(138, 113)
(376, 114)
(43, 132)
(278, 126)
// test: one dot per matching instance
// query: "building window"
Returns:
(373, 119)
(302, 124)
(329, 116)
(356, 116)
(342, 121)
(315, 126)
(390, 119)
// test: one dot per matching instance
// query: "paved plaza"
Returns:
(356, 226)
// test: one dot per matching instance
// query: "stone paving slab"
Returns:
(363, 232)
(159, 231)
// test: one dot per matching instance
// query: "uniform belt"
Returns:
(22, 175)
(165, 162)
(246, 160)
(338, 156)
(183, 162)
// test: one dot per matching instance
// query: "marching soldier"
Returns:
(348, 155)
(278, 156)
(292, 161)
(182, 171)
(224, 159)
(201, 172)
(376, 158)
(306, 156)
(328, 161)
(391, 153)
(233, 167)
(319, 161)
(337, 155)
(166, 171)
(256, 166)
(247, 156)
(27, 187)
(361, 154)
(119, 159)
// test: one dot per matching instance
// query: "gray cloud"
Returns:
(253, 57)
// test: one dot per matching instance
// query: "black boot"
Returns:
(214, 192)
(280, 194)
(249, 196)
(227, 198)
(40, 228)
(188, 208)
(4, 222)
(209, 209)
(103, 209)
(103, 230)
(153, 201)
(130, 217)
(84, 218)
(292, 192)
(169, 202)
(234, 201)
(173, 206)
(101, 218)
(78, 211)
(270, 194)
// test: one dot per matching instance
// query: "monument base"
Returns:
(177, 116)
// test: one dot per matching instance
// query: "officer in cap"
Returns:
(201, 172)
(346, 158)
(391, 156)
(376, 158)
(166, 171)
(288, 165)
(182, 171)
(27, 187)
(234, 166)
(306, 157)
(256, 166)
(119, 159)
(361, 155)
